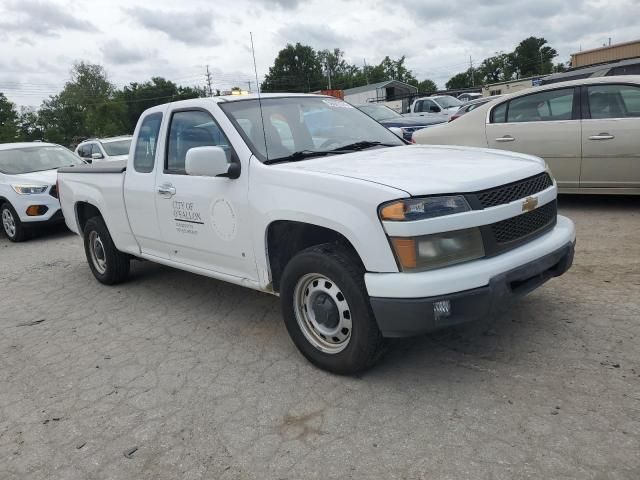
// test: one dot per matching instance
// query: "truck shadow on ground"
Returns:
(497, 339)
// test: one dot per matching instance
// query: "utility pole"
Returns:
(209, 82)
(366, 75)
(328, 73)
(249, 85)
(473, 80)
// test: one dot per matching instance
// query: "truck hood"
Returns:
(427, 169)
(46, 177)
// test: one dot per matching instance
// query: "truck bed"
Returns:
(103, 167)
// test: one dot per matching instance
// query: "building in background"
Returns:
(511, 86)
(606, 54)
(393, 93)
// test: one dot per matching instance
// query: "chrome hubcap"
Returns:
(8, 223)
(96, 249)
(322, 313)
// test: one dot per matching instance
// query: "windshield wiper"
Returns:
(297, 156)
(361, 146)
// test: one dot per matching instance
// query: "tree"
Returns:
(427, 86)
(8, 120)
(471, 78)
(533, 56)
(29, 128)
(297, 68)
(138, 97)
(499, 68)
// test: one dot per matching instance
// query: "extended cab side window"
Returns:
(614, 101)
(190, 129)
(145, 152)
(545, 106)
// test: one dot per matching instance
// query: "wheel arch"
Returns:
(285, 238)
(84, 211)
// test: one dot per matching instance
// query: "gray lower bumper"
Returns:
(403, 317)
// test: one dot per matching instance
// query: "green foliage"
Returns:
(8, 120)
(427, 86)
(299, 68)
(533, 56)
(89, 105)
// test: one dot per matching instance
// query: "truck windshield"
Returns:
(305, 127)
(20, 160)
(448, 101)
(117, 147)
(380, 112)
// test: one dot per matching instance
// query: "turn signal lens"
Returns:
(36, 210)
(393, 211)
(406, 252)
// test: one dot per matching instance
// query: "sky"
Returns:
(41, 39)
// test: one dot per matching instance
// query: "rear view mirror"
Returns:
(210, 161)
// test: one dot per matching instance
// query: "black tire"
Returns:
(19, 233)
(115, 266)
(365, 344)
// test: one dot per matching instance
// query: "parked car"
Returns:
(28, 193)
(586, 130)
(393, 120)
(104, 149)
(362, 236)
(439, 106)
(472, 105)
(468, 97)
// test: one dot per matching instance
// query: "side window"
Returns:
(85, 150)
(542, 107)
(427, 105)
(189, 129)
(614, 101)
(499, 113)
(95, 149)
(145, 152)
(418, 107)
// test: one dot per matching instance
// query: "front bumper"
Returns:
(22, 202)
(508, 275)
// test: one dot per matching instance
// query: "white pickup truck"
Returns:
(303, 196)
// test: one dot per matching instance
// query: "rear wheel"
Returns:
(11, 224)
(107, 263)
(327, 312)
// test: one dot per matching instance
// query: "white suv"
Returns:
(28, 192)
(104, 149)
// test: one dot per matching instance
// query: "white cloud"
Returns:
(42, 38)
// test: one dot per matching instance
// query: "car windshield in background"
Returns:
(36, 159)
(448, 102)
(302, 127)
(118, 147)
(380, 112)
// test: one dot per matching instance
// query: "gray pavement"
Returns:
(174, 376)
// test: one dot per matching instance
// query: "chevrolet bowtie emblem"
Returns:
(529, 204)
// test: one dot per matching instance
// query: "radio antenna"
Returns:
(255, 69)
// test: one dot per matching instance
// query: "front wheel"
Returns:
(108, 264)
(11, 224)
(327, 312)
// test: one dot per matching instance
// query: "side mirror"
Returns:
(210, 162)
(96, 156)
(396, 131)
(435, 109)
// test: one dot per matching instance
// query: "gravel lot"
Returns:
(201, 378)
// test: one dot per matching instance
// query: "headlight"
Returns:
(29, 189)
(421, 208)
(439, 250)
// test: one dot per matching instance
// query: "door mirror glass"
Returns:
(206, 162)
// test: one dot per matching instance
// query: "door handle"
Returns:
(506, 138)
(602, 136)
(167, 190)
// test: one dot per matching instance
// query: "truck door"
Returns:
(203, 220)
(140, 183)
